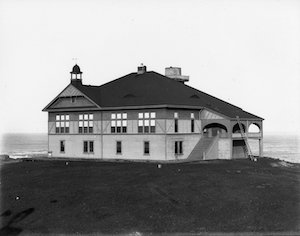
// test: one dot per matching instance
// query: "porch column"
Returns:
(261, 151)
(261, 144)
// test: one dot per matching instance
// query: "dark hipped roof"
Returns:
(151, 88)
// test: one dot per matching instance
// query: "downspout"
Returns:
(48, 131)
(165, 138)
(101, 134)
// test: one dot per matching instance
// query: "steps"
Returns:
(245, 138)
(201, 147)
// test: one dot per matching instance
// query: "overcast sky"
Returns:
(244, 52)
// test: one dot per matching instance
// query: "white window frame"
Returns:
(60, 146)
(178, 147)
(121, 151)
(62, 124)
(88, 146)
(86, 120)
(118, 123)
(147, 122)
(146, 154)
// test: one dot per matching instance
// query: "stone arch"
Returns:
(236, 128)
(254, 128)
(213, 129)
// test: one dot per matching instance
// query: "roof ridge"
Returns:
(113, 81)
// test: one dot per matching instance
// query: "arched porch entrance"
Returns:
(214, 129)
(236, 128)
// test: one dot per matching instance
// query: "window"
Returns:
(62, 124)
(62, 146)
(192, 122)
(86, 123)
(88, 146)
(176, 122)
(85, 146)
(119, 147)
(73, 99)
(146, 122)
(192, 125)
(146, 147)
(91, 146)
(118, 123)
(176, 126)
(178, 147)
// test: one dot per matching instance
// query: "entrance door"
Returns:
(238, 149)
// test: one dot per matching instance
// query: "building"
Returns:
(147, 116)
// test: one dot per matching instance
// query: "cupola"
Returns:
(76, 74)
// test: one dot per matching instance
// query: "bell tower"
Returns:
(76, 75)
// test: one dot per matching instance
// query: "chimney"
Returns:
(141, 69)
(175, 74)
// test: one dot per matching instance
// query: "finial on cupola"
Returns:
(76, 74)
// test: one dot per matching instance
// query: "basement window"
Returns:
(146, 148)
(88, 147)
(119, 147)
(62, 146)
(178, 147)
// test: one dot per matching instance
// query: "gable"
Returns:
(71, 97)
(70, 91)
(72, 102)
(207, 115)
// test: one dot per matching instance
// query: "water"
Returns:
(24, 145)
(285, 147)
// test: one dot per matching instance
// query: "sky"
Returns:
(243, 52)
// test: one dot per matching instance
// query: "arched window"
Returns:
(236, 128)
(254, 128)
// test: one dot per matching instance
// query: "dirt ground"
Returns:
(83, 197)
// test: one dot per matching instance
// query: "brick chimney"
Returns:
(142, 69)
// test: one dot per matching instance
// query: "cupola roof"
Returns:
(76, 70)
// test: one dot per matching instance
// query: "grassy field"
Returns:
(106, 197)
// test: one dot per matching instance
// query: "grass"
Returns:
(106, 197)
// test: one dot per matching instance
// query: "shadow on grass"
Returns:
(8, 229)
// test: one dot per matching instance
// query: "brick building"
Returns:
(147, 116)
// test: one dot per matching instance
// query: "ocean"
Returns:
(279, 146)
